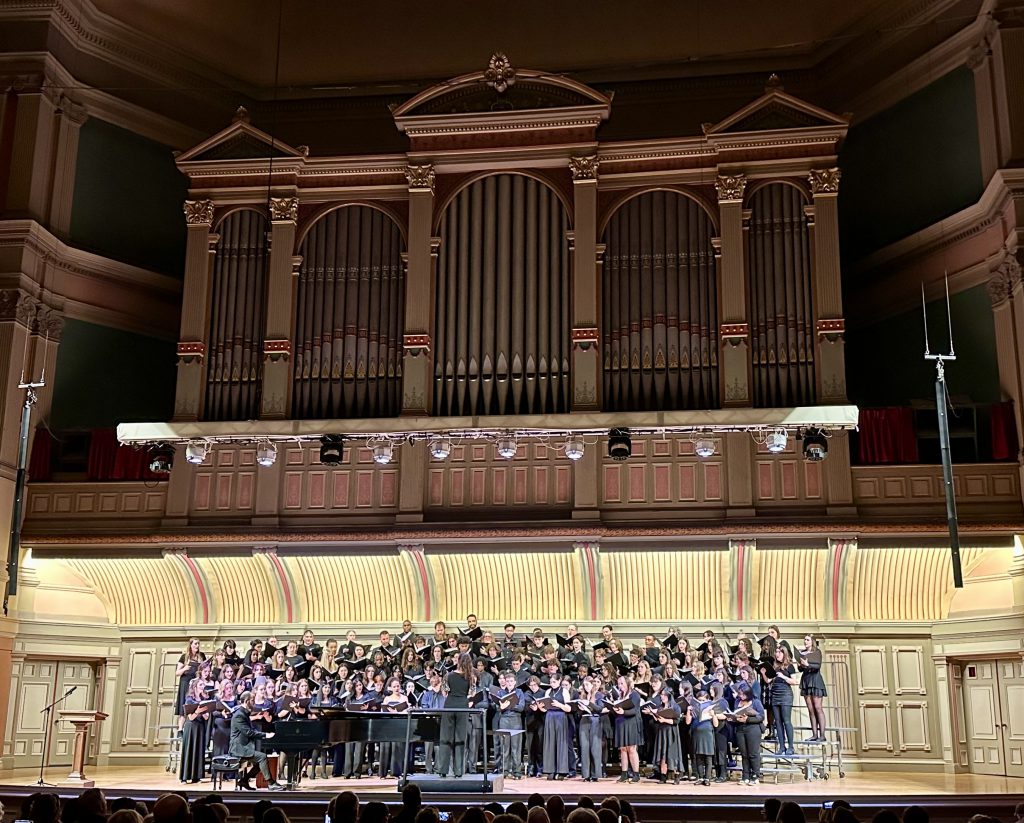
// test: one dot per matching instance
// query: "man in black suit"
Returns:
(243, 737)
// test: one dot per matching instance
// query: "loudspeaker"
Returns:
(467, 784)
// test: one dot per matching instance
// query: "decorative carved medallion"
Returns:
(199, 212)
(284, 208)
(584, 168)
(730, 186)
(499, 74)
(824, 181)
(1004, 281)
(421, 178)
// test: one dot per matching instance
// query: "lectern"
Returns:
(82, 720)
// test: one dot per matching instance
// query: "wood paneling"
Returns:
(689, 585)
(242, 589)
(903, 583)
(518, 586)
(345, 589)
(789, 584)
(141, 591)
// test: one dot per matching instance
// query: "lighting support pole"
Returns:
(943, 421)
(14, 547)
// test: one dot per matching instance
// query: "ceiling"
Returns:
(388, 45)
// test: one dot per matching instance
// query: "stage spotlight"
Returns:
(775, 441)
(815, 445)
(383, 452)
(620, 446)
(266, 453)
(440, 448)
(704, 448)
(574, 447)
(332, 449)
(507, 446)
(196, 451)
(161, 458)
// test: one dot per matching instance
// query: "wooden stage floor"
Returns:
(870, 789)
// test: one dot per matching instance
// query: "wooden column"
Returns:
(417, 371)
(830, 326)
(188, 395)
(586, 286)
(988, 100)
(70, 118)
(1006, 291)
(277, 342)
(734, 332)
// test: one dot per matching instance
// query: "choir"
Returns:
(557, 709)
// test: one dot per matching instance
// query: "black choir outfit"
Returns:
(680, 714)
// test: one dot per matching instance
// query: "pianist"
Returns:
(243, 744)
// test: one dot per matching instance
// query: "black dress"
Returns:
(812, 684)
(183, 683)
(629, 724)
(194, 740)
(557, 737)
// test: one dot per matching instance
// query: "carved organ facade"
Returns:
(513, 263)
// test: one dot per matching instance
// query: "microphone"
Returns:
(70, 691)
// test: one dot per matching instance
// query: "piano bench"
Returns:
(222, 765)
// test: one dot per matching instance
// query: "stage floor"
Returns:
(148, 782)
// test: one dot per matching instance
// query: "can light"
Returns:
(507, 446)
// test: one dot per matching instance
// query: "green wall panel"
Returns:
(885, 363)
(106, 376)
(127, 200)
(910, 166)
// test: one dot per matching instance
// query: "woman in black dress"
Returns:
(222, 718)
(195, 734)
(557, 733)
(188, 666)
(780, 693)
(455, 725)
(666, 751)
(812, 687)
(628, 729)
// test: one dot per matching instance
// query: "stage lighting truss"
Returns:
(614, 442)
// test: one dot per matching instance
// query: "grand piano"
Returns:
(342, 726)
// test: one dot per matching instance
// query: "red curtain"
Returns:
(39, 461)
(1004, 432)
(109, 460)
(887, 436)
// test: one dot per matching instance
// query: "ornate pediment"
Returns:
(776, 111)
(239, 141)
(502, 98)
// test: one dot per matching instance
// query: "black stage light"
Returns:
(815, 445)
(620, 447)
(161, 458)
(332, 449)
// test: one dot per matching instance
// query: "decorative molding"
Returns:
(499, 74)
(825, 181)
(198, 212)
(584, 168)
(734, 333)
(916, 653)
(730, 187)
(585, 337)
(284, 209)
(191, 352)
(421, 178)
(32, 313)
(416, 344)
(1004, 281)
(831, 330)
(274, 350)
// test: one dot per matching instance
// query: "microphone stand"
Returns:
(46, 734)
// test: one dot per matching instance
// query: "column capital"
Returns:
(421, 178)
(1004, 280)
(584, 168)
(284, 209)
(730, 187)
(825, 181)
(198, 212)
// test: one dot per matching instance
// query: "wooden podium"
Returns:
(82, 720)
